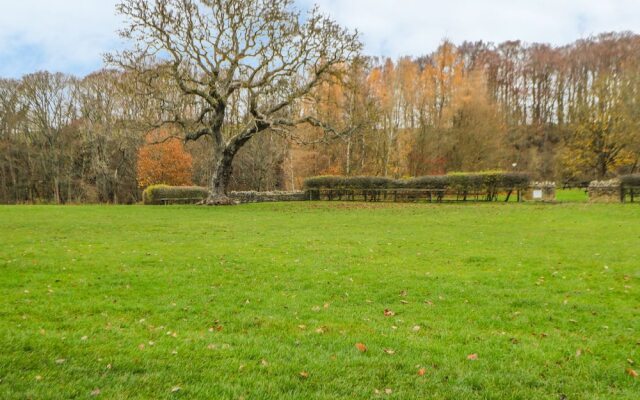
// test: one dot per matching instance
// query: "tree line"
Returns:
(566, 113)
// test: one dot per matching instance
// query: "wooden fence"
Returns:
(413, 195)
(630, 194)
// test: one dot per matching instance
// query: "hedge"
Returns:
(353, 182)
(163, 194)
(490, 181)
(630, 180)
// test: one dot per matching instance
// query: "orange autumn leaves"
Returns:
(163, 160)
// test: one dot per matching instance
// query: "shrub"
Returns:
(367, 182)
(162, 194)
(426, 182)
(489, 181)
(515, 180)
(323, 182)
(630, 180)
(353, 182)
(463, 182)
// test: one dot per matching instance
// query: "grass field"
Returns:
(489, 301)
(572, 196)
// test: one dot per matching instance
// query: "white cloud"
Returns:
(57, 35)
(71, 35)
(415, 27)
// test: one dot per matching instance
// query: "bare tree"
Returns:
(262, 57)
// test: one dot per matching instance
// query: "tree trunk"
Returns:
(220, 180)
(224, 168)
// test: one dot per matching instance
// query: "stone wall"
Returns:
(541, 191)
(604, 191)
(267, 197)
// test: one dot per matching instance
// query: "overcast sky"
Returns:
(71, 35)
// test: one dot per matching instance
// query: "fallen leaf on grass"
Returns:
(264, 363)
(176, 389)
(473, 356)
(390, 351)
(632, 373)
(361, 347)
(304, 374)
(95, 392)
(389, 313)
(416, 328)
(60, 361)
(388, 391)
(578, 352)
(404, 302)
(422, 371)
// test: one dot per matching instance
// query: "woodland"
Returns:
(568, 114)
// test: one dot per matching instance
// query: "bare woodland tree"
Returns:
(260, 56)
(566, 113)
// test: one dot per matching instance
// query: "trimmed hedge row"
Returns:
(461, 182)
(630, 180)
(163, 194)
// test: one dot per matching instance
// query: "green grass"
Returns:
(572, 196)
(235, 302)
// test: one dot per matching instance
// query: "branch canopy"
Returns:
(258, 57)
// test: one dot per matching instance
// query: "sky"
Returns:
(72, 35)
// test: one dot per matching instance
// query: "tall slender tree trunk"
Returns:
(348, 167)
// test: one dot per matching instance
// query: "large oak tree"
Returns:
(261, 58)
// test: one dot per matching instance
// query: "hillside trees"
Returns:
(569, 113)
(108, 120)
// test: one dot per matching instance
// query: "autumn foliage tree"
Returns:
(163, 160)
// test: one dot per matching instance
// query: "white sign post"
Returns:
(537, 194)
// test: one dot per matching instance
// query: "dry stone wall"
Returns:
(604, 191)
(267, 197)
(541, 191)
